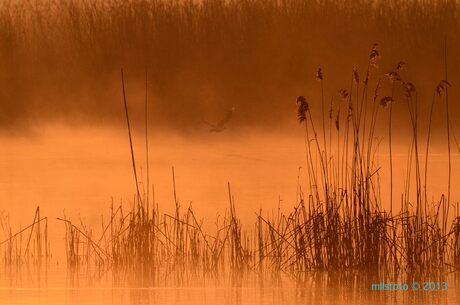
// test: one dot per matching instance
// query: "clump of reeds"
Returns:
(347, 226)
(28, 246)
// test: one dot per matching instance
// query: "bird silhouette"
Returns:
(221, 125)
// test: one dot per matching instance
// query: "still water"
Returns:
(55, 288)
(78, 172)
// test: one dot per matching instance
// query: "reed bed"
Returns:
(339, 224)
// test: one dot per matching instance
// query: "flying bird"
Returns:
(221, 125)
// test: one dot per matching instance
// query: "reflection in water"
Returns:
(317, 288)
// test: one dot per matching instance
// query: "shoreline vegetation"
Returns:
(337, 226)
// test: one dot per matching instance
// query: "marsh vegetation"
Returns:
(348, 220)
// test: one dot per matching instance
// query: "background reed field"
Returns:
(58, 57)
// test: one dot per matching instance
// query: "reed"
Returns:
(29, 246)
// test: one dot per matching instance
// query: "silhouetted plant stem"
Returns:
(147, 139)
(130, 137)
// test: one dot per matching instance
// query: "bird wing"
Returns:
(225, 120)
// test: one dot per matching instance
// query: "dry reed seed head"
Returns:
(337, 121)
(409, 88)
(400, 65)
(385, 101)
(366, 80)
(355, 76)
(303, 108)
(442, 86)
(393, 76)
(377, 91)
(319, 74)
(344, 94)
(374, 55)
(301, 99)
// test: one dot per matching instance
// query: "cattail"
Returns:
(303, 109)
